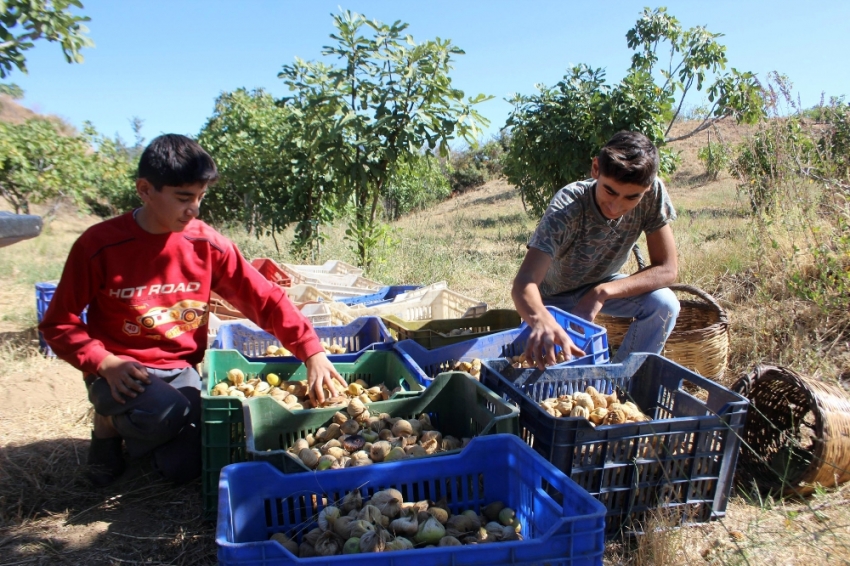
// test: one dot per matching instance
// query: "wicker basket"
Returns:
(700, 339)
(797, 433)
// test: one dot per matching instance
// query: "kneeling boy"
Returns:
(146, 277)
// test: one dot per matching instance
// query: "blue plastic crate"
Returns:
(383, 295)
(364, 333)
(256, 501)
(678, 467)
(591, 338)
(43, 294)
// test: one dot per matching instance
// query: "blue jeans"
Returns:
(654, 316)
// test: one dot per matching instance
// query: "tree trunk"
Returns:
(360, 224)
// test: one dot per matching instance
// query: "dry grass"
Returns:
(475, 242)
(49, 513)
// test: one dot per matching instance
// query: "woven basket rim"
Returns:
(709, 301)
(829, 421)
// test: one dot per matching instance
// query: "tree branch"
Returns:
(681, 101)
(707, 123)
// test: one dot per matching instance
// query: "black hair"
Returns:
(176, 161)
(629, 157)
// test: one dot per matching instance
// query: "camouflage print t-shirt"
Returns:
(585, 247)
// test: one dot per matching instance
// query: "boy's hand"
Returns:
(321, 372)
(123, 377)
(540, 348)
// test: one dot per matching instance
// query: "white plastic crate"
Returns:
(330, 267)
(435, 304)
(306, 294)
(327, 314)
(318, 313)
(342, 292)
(421, 292)
(318, 279)
(215, 323)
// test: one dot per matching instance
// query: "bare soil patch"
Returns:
(49, 514)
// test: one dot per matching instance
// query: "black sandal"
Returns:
(105, 460)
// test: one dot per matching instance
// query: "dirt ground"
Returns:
(45, 420)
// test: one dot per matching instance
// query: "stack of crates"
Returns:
(383, 296)
(222, 421)
(330, 267)
(334, 278)
(676, 468)
(427, 303)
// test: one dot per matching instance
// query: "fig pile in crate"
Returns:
(277, 350)
(522, 362)
(473, 368)
(386, 523)
(356, 438)
(294, 395)
(597, 408)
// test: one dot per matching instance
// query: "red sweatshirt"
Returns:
(148, 297)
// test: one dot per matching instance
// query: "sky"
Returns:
(166, 61)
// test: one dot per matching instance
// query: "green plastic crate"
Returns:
(222, 424)
(436, 333)
(457, 405)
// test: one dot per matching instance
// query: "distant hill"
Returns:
(11, 111)
(14, 113)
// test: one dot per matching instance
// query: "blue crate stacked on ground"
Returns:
(383, 296)
(43, 294)
(222, 422)
(455, 405)
(678, 467)
(366, 332)
(257, 501)
(591, 338)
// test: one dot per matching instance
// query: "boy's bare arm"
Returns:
(662, 271)
(545, 331)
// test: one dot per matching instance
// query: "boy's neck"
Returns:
(142, 218)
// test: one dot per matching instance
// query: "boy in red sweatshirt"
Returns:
(146, 277)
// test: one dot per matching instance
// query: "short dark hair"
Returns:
(176, 161)
(629, 157)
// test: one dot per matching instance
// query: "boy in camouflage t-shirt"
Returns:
(584, 239)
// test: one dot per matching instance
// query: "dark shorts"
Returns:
(163, 420)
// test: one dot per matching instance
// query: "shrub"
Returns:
(715, 157)
(475, 166)
(417, 182)
(834, 144)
